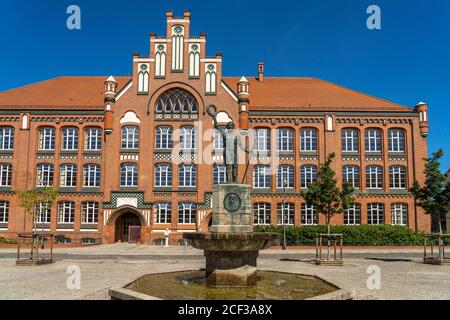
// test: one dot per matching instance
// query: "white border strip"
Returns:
(231, 93)
(122, 92)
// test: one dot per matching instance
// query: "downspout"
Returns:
(414, 172)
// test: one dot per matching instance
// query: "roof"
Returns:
(271, 94)
(70, 92)
(310, 94)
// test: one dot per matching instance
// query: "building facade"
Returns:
(137, 156)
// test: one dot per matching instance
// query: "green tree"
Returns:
(30, 199)
(324, 194)
(434, 195)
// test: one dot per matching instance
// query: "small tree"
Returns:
(325, 195)
(30, 199)
(434, 196)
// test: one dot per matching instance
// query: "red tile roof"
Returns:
(310, 94)
(271, 94)
(63, 92)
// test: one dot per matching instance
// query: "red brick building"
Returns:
(140, 151)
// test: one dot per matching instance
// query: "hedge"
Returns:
(7, 241)
(364, 235)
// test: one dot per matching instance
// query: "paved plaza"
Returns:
(403, 276)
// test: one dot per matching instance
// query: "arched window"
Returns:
(176, 100)
(163, 175)
(397, 177)
(89, 212)
(285, 137)
(93, 139)
(308, 140)
(46, 139)
(220, 173)
(350, 175)
(187, 175)
(128, 175)
(374, 177)
(350, 140)
(4, 211)
(188, 138)
(309, 215)
(285, 213)
(43, 212)
(163, 212)
(352, 215)
(308, 174)
(66, 212)
(262, 140)
(261, 213)
(91, 175)
(373, 140)
(164, 137)
(375, 213)
(261, 177)
(396, 140)
(399, 214)
(186, 212)
(6, 138)
(130, 137)
(70, 139)
(44, 175)
(5, 174)
(285, 177)
(68, 175)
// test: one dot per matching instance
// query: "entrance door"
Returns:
(129, 221)
(134, 234)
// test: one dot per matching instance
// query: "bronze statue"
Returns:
(231, 140)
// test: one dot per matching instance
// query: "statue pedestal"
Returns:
(232, 209)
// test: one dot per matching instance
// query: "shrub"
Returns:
(364, 235)
(7, 241)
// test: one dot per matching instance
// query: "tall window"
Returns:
(46, 139)
(399, 214)
(285, 177)
(262, 140)
(130, 137)
(261, 177)
(220, 173)
(43, 212)
(44, 176)
(374, 177)
(350, 175)
(177, 48)
(397, 177)
(164, 137)
(285, 137)
(89, 212)
(350, 140)
(128, 175)
(188, 138)
(308, 174)
(66, 212)
(163, 212)
(261, 213)
(373, 140)
(91, 175)
(375, 213)
(93, 139)
(187, 175)
(285, 213)
(218, 140)
(70, 139)
(396, 140)
(176, 101)
(160, 57)
(4, 211)
(352, 216)
(186, 212)
(6, 138)
(5, 174)
(163, 175)
(308, 140)
(308, 215)
(68, 175)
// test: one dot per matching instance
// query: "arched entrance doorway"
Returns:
(127, 224)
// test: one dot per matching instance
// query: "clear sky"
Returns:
(407, 61)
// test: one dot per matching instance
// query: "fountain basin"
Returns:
(223, 241)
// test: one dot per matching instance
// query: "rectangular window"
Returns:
(309, 215)
(262, 140)
(187, 176)
(5, 174)
(397, 177)
(261, 213)
(350, 175)
(220, 173)
(375, 213)
(70, 139)
(93, 139)
(66, 212)
(285, 177)
(163, 175)
(350, 140)
(285, 213)
(89, 212)
(43, 213)
(91, 176)
(352, 216)
(128, 175)
(261, 177)
(308, 140)
(44, 175)
(188, 138)
(396, 141)
(308, 174)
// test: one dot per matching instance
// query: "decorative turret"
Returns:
(243, 100)
(110, 100)
(422, 110)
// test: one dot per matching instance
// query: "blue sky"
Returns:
(407, 61)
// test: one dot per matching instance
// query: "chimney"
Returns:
(261, 71)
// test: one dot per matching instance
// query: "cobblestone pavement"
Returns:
(403, 276)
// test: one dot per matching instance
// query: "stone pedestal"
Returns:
(232, 209)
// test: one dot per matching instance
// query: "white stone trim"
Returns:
(210, 60)
(178, 21)
(122, 92)
(66, 230)
(231, 93)
(88, 230)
